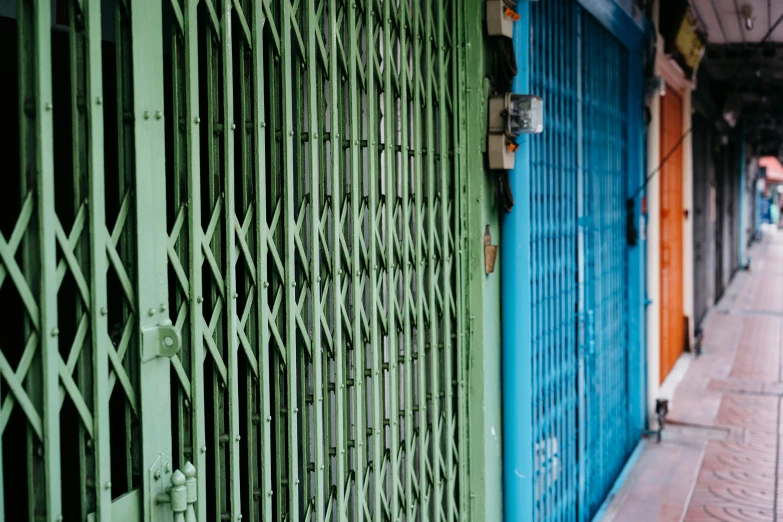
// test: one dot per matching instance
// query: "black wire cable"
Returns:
(687, 132)
(663, 162)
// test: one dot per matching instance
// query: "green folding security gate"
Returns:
(229, 264)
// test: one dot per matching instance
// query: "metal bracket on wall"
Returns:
(501, 17)
(163, 340)
(490, 252)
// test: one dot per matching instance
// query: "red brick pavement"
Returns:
(719, 461)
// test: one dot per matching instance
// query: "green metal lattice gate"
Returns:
(229, 237)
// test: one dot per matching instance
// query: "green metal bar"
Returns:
(315, 257)
(192, 122)
(301, 272)
(230, 223)
(40, 91)
(432, 264)
(392, 270)
(459, 79)
(406, 152)
(481, 293)
(336, 117)
(372, 178)
(291, 307)
(298, 217)
(247, 266)
(281, 421)
(245, 234)
(265, 368)
(421, 393)
(354, 61)
(321, 209)
(177, 203)
(322, 322)
(151, 256)
(325, 321)
(219, 343)
(79, 255)
(446, 228)
(98, 262)
(278, 284)
(127, 229)
(28, 159)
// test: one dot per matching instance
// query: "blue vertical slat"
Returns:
(605, 106)
(637, 336)
(553, 252)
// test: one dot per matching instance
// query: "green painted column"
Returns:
(151, 284)
(483, 290)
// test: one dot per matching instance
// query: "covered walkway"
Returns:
(720, 454)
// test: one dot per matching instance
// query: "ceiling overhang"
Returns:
(684, 40)
(745, 68)
(738, 21)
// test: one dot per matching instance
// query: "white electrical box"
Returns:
(501, 17)
(501, 151)
(509, 116)
(515, 114)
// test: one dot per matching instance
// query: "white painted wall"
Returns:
(654, 388)
(653, 256)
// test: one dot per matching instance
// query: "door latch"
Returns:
(163, 340)
(181, 495)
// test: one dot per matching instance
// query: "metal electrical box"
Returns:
(509, 116)
(501, 152)
(501, 17)
(516, 114)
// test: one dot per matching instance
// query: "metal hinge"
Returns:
(163, 340)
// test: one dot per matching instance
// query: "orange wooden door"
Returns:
(672, 321)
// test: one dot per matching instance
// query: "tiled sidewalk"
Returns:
(719, 460)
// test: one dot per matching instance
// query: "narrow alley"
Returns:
(719, 458)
